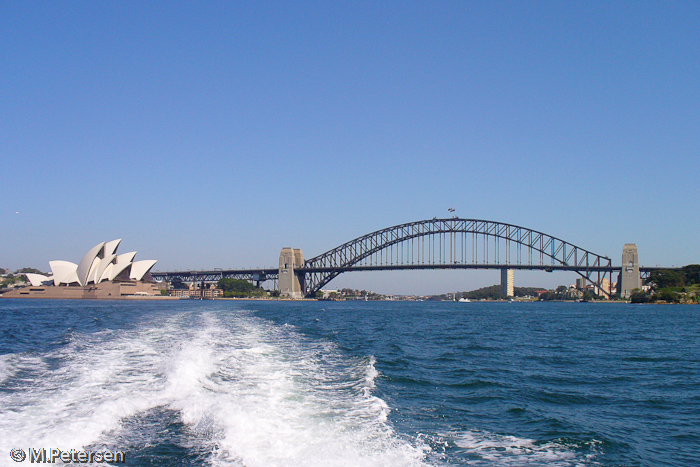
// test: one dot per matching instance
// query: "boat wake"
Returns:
(225, 389)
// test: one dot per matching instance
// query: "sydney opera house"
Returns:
(102, 273)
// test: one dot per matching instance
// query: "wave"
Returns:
(480, 448)
(246, 392)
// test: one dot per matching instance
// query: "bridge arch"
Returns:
(452, 243)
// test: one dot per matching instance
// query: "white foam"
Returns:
(7, 369)
(485, 448)
(72, 405)
(278, 401)
(262, 395)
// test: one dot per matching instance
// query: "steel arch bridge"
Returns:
(453, 243)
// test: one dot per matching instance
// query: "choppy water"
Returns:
(269, 384)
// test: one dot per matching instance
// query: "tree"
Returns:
(547, 296)
(691, 274)
(667, 295)
(239, 288)
(492, 292)
(665, 278)
(30, 270)
(13, 279)
(638, 296)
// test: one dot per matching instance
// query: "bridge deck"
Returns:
(271, 274)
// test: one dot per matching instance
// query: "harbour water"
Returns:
(265, 384)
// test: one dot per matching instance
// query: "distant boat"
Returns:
(465, 300)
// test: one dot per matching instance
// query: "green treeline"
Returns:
(671, 286)
(494, 293)
(565, 293)
(238, 288)
(18, 276)
(688, 275)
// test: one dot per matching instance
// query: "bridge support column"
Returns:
(291, 283)
(507, 286)
(630, 270)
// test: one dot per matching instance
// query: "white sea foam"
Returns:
(278, 400)
(259, 394)
(7, 369)
(488, 449)
(87, 394)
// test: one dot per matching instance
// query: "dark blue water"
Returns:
(353, 383)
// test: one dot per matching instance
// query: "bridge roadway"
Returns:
(260, 275)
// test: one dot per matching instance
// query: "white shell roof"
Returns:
(37, 280)
(93, 270)
(141, 268)
(64, 272)
(87, 262)
(118, 269)
(99, 264)
(126, 257)
(104, 264)
(111, 247)
(106, 273)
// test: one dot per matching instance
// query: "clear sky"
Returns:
(212, 134)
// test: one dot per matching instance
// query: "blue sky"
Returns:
(212, 134)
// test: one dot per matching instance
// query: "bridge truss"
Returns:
(454, 243)
(258, 276)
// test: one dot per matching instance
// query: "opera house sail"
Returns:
(101, 273)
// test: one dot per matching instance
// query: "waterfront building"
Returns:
(101, 273)
(601, 290)
(211, 292)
